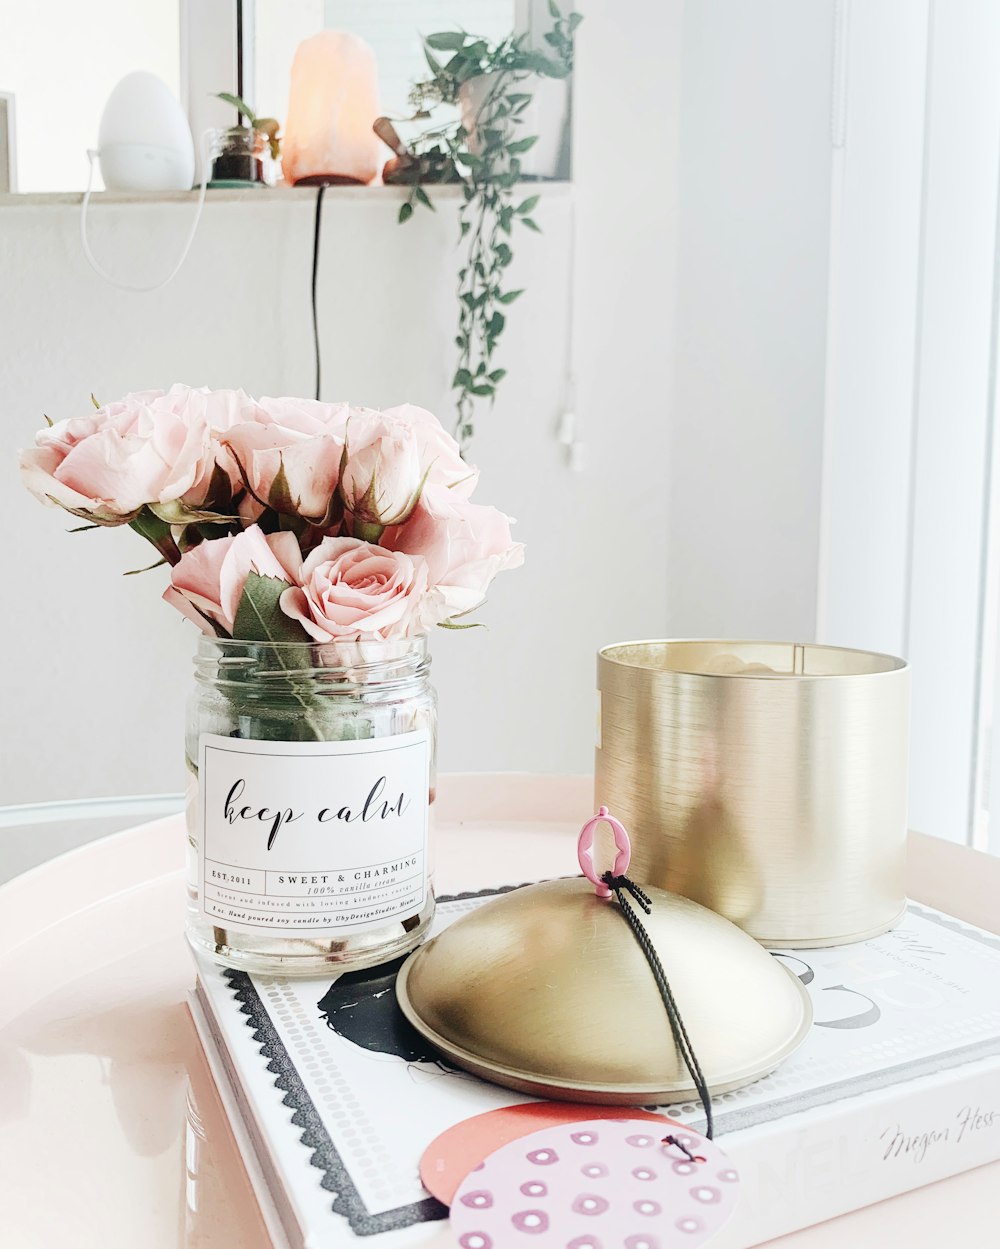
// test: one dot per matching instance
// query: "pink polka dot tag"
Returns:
(597, 1185)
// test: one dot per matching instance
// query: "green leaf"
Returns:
(134, 572)
(259, 617)
(539, 63)
(239, 104)
(176, 513)
(105, 521)
(435, 65)
(482, 390)
(424, 198)
(508, 297)
(279, 496)
(445, 41)
(554, 9)
(367, 530)
(574, 21)
(498, 375)
(527, 205)
(522, 145)
(531, 224)
(156, 531)
(503, 254)
(405, 211)
(462, 378)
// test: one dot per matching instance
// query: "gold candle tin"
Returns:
(765, 780)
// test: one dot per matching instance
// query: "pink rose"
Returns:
(288, 456)
(218, 409)
(149, 448)
(438, 451)
(218, 479)
(109, 464)
(207, 584)
(309, 417)
(465, 545)
(382, 474)
(289, 472)
(351, 590)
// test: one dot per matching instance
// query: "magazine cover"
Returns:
(341, 1096)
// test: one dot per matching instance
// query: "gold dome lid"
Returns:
(546, 990)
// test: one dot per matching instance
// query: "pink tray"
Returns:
(111, 1131)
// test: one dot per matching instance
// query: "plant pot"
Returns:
(237, 157)
(547, 116)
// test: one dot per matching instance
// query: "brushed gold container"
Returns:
(765, 780)
(546, 990)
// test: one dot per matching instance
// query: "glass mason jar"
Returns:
(237, 157)
(311, 770)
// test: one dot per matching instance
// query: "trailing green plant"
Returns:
(483, 153)
(268, 126)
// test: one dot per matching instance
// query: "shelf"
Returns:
(248, 195)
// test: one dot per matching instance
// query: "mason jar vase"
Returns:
(311, 773)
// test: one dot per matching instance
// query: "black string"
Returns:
(239, 57)
(622, 885)
(679, 1144)
(319, 213)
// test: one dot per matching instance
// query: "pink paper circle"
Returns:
(594, 1185)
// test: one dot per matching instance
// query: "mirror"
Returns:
(60, 61)
(393, 28)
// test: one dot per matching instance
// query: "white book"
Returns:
(334, 1097)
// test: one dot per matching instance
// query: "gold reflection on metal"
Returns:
(766, 780)
(546, 990)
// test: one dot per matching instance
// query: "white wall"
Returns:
(98, 668)
(743, 465)
(871, 366)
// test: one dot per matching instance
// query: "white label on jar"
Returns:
(312, 839)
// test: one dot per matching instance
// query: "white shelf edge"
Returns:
(248, 195)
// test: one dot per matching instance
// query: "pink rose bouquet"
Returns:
(284, 520)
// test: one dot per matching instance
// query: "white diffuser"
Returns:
(145, 140)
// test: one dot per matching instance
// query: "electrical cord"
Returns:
(315, 268)
(155, 286)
